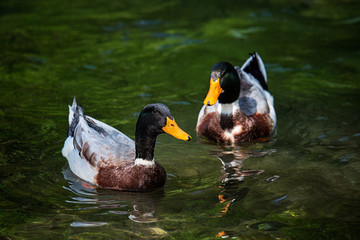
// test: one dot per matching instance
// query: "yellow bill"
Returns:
(214, 92)
(173, 129)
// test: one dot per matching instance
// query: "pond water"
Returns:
(118, 56)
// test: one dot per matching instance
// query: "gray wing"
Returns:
(100, 143)
(253, 98)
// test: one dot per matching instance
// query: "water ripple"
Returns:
(140, 207)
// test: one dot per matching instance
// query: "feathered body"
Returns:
(240, 108)
(105, 157)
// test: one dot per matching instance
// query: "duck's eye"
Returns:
(172, 125)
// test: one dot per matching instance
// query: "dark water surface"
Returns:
(117, 56)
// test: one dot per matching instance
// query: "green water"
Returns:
(117, 56)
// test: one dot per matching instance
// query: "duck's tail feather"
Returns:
(72, 110)
(255, 66)
(75, 111)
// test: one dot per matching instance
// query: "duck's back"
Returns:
(92, 144)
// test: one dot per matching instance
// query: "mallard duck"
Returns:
(238, 106)
(103, 156)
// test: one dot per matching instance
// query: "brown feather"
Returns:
(214, 125)
(130, 177)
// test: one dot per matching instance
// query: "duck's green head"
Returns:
(224, 84)
(155, 119)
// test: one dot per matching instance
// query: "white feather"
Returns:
(228, 109)
(148, 163)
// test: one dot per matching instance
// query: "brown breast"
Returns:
(214, 125)
(130, 177)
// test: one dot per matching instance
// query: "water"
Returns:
(117, 57)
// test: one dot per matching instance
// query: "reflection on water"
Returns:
(234, 174)
(232, 162)
(140, 207)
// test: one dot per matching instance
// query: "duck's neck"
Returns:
(144, 145)
(228, 108)
(230, 87)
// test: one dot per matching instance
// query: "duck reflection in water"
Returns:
(143, 204)
(234, 174)
(232, 162)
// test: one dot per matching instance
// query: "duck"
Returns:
(238, 106)
(101, 155)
